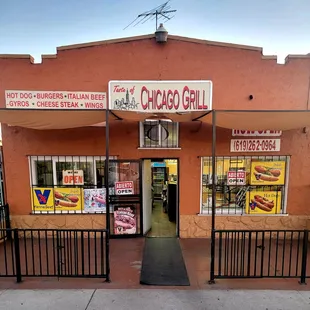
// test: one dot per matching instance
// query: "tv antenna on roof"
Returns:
(162, 11)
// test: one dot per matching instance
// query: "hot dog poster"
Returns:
(267, 173)
(124, 220)
(68, 199)
(95, 200)
(42, 199)
(258, 202)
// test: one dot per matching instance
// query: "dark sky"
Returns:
(37, 27)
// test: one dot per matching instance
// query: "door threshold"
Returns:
(161, 237)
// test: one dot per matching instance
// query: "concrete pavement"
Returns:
(153, 299)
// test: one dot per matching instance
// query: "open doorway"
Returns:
(160, 184)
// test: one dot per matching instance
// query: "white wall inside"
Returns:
(147, 195)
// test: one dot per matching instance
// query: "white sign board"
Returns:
(256, 133)
(124, 188)
(255, 145)
(236, 178)
(55, 100)
(72, 177)
(160, 96)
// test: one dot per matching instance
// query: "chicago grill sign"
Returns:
(160, 96)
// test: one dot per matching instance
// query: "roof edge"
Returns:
(105, 42)
(150, 36)
(270, 57)
(215, 43)
(49, 56)
(297, 56)
(17, 56)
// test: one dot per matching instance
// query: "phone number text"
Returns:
(255, 145)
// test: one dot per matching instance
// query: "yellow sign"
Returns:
(267, 173)
(42, 199)
(68, 199)
(263, 202)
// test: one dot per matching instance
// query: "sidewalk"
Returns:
(154, 299)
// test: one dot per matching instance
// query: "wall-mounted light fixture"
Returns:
(161, 34)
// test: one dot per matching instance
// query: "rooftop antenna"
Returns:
(162, 11)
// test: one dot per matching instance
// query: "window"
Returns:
(246, 185)
(159, 134)
(63, 177)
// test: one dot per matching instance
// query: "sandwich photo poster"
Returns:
(259, 202)
(68, 199)
(125, 220)
(268, 173)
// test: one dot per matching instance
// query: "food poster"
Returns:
(42, 199)
(94, 200)
(267, 173)
(68, 199)
(268, 202)
(125, 220)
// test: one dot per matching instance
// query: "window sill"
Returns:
(159, 148)
(66, 213)
(240, 214)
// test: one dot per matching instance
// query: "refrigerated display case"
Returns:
(158, 178)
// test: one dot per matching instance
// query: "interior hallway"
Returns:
(161, 226)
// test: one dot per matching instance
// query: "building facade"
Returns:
(242, 79)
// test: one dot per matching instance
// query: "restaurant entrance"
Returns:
(160, 197)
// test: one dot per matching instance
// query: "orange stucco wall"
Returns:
(195, 141)
(236, 73)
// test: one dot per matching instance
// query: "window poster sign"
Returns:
(55, 100)
(42, 199)
(68, 199)
(268, 202)
(95, 200)
(236, 178)
(267, 173)
(72, 177)
(160, 96)
(125, 220)
(124, 188)
(256, 133)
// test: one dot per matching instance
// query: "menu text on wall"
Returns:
(55, 100)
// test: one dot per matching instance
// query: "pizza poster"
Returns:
(125, 220)
(259, 202)
(267, 173)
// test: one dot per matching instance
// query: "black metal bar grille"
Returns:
(4, 221)
(232, 198)
(261, 254)
(159, 134)
(46, 172)
(54, 253)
